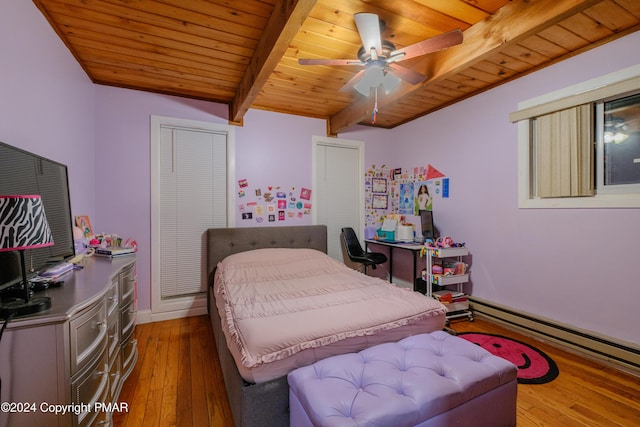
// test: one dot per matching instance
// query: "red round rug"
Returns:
(534, 366)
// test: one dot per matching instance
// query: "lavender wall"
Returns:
(46, 99)
(269, 148)
(575, 266)
(274, 150)
(122, 167)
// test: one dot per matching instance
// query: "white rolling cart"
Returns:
(448, 283)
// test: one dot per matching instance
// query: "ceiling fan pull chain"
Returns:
(374, 114)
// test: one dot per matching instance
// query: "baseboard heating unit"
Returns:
(625, 355)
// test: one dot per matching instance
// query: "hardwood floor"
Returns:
(177, 382)
(586, 393)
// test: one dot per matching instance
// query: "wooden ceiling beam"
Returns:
(508, 26)
(281, 28)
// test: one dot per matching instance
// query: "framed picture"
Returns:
(379, 201)
(379, 185)
(84, 224)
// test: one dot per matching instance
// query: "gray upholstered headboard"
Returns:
(222, 242)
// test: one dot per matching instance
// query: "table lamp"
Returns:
(23, 225)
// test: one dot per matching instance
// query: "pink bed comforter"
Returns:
(277, 302)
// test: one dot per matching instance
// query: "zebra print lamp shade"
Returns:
(23, 225)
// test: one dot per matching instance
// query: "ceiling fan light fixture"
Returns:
(362, 87)
(373, 77)
(390, 82)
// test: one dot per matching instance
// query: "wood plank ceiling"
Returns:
(244, 53)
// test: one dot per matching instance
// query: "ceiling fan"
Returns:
(380, 58)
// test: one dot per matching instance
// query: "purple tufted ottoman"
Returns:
(431, 379)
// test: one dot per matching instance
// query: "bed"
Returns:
(255, 369)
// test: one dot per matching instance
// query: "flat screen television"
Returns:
(22, 172)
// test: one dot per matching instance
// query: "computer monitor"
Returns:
(426, 225)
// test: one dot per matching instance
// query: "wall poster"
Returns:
(379, 185)
(407, 191)
(272, 203)
(379, 201)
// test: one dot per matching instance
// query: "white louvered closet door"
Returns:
(193, 198)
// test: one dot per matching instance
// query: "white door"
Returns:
(189, 195)
(338, 196)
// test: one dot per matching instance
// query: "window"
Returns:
(619, 144)
(580, 147)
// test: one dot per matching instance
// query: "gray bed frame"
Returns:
(264, 404)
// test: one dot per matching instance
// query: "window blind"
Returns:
(193, 170)
(564, 153)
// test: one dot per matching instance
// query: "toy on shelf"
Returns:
(441, 242)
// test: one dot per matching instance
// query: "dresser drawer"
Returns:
(113, 298)
(127, 320)
(102, 419)
(91, 386)
(127, 279)
(115, 372)
(113, 335)
(88, 336)
(129, 354)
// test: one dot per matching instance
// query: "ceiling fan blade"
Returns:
(369, 28)
(433, 44)
(352, 81)
(330, 62)
(406, 74)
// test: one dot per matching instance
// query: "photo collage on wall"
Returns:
(402, 191)
(272, 203)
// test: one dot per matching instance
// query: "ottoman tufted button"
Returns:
(440, 371)
(478, 357)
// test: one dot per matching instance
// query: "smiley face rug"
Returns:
(534, 366)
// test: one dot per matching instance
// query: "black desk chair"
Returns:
(357, 254)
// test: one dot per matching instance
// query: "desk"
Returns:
(413, 247)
